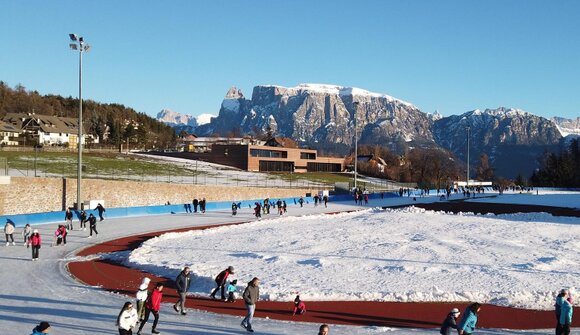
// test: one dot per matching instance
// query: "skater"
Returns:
(35, 242)
(558, 309)
(101, 210)
(450, 322)
(202, 204)
(58, 236)
(232, 290)
(68, 216)
(316, 198)
(299, 306)
(284, 205)
(93, 225)
(323, 330)
(366, 198)
(26, 232)
(127, 319)
(258, 210)
(325, 199)
(220, 280)
(301, 201)
(566, 315)
(142, 295)
(280, 208)
(251, 295)
(469, 320)
(195, 204)
(182, 283)
(42, 328)
(152, 306)
(9, 232)
(62, 232)
(266, 206)
(83, 220)
(234, 209)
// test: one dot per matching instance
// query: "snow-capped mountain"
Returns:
(512, 138)
(183, 121)
(322, 115)
(567, 126)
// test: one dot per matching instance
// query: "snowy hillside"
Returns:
(385, 255)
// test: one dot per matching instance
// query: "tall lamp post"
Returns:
(467, 181)
(78, 43)
(355, 142)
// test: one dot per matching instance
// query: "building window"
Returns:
(308, 155)
(268, 153)
(323, 167)
(276, 166)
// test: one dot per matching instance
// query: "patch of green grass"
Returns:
(101, 165)
(318, 177)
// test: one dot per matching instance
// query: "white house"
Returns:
(8, 134)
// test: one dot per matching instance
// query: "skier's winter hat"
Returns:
(234, 282)
(144, 283)
(43, 326)
(35, 231)
(455, 311)
(231, 269)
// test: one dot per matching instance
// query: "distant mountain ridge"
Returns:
(323, 116)
(567, 126)
(186, 122)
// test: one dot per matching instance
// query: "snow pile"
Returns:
(384, 255)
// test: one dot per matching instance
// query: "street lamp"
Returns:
(356, 103)
(78, 43)
(468, 128)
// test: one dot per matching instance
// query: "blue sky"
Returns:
(451, 56)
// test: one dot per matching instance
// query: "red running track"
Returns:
(118, 278)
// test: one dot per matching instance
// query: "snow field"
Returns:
(405, 255)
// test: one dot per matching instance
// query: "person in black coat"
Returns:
(101, 210)
(195, 204)
(182, 283)
(83, 220)
(450, 322)
(93, 225)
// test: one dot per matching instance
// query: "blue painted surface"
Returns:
(20, 220)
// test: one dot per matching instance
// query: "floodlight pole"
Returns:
(467, 181)
(355, 143)
(81, 47)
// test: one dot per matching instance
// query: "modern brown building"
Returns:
(276, 155)
(265, 158)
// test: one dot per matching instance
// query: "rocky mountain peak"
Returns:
(234, 93)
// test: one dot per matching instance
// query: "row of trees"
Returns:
(121, 124)
(559, 170)
(428, 167)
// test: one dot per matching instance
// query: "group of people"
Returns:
(31, 238)
(563, 310)
(148, 303)
(361, 195)
(467, 324)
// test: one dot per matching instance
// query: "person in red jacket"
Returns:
(35, 244)
(153, 305)
(221, 280)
